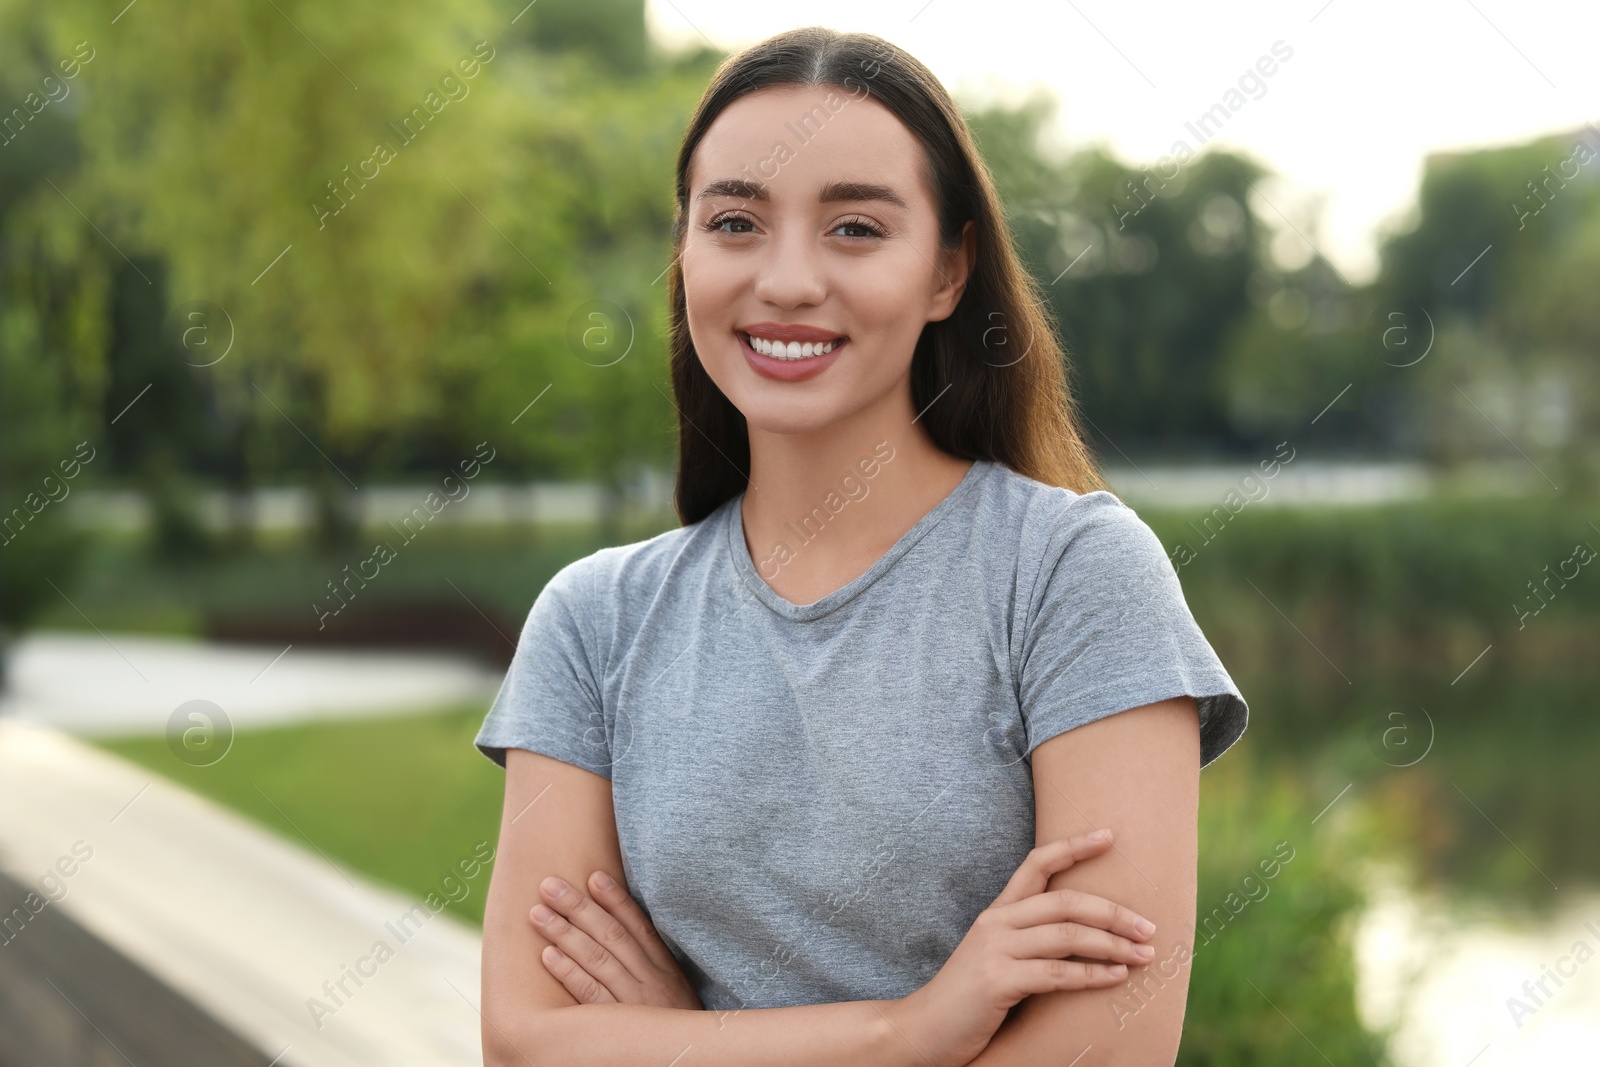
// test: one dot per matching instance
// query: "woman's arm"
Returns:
(1139, 771)
(558, 820)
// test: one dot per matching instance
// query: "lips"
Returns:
(798, 361)
(778, 331)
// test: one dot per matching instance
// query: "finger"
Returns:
(600, 964)
(1045, 976)
(604, 932)
(1060, 940)
(577, 981)
(620, 903)
(1033, 875)
(1071, 905)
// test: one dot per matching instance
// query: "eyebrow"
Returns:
(832, 193)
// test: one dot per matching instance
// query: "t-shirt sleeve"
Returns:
(550, 700)
(1109, 630)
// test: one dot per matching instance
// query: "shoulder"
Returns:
(618, 579)
(1088, 534)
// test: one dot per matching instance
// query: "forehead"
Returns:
(797, 139)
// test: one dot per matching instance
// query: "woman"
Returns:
(838, 734)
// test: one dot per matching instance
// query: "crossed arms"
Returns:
(1136, 771)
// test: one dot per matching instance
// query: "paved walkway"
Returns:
(245, 924)
(93, 683)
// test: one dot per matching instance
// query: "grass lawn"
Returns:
(401, 800)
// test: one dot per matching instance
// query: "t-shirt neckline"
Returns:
(733, 528)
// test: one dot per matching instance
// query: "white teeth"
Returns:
(791, 350)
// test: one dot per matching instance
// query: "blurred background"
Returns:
(329, 333)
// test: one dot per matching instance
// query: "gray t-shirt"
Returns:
(814, 802)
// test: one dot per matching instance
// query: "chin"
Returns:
(792, 417)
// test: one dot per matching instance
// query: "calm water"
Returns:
(1485, 874)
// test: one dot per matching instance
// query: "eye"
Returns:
(717, 223)
(859, 223)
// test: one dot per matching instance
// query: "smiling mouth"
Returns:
(792, 350)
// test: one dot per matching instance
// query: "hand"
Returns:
(604, 949)
(1017, 947)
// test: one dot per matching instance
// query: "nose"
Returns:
(791, 273)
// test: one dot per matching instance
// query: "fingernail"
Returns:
(542, 914)
(1100, 835)
(1145, 926)
(1144, 950)
(554, 886)
(603, 880)
(1119, 968)
(555, 954)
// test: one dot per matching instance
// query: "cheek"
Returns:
(711, 291)
(888, 303)
(709, 280)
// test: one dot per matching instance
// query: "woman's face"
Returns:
(809, 223)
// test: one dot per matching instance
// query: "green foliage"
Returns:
(1511, 198)
(1273, 975)
(1146, 273)
(610, 32)
(1399, 584)
(501, 571)
(406, 229)
(52, 309)
(394, 221)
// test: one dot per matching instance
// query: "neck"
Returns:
(838, 498)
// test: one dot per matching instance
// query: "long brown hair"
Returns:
(992, 403)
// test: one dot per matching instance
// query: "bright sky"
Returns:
(1370, 89)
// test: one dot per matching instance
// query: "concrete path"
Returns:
(248, 926)
(94, 683)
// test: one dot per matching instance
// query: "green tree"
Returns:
(1147, 272)
(54, 285)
